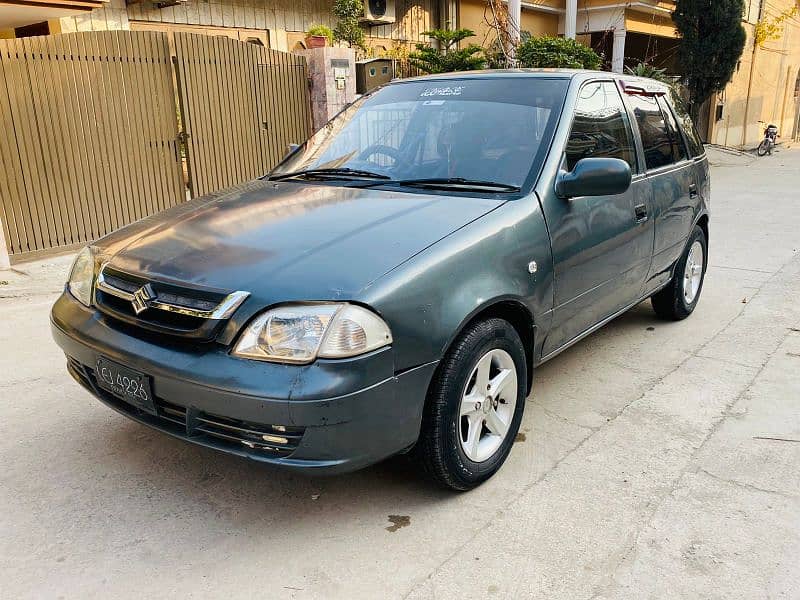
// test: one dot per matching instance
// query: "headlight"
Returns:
(302, 332)
(81, 276)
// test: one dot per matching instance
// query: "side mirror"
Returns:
(594, 177)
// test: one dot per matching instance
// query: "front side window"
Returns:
(493, 129)
(656, 139)
(600, 128)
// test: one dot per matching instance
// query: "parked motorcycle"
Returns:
(769, 141)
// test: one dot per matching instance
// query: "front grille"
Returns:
(164, 307)
(220, 432)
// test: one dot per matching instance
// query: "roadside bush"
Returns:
(448, 56)
(556, 52)
(644, 69)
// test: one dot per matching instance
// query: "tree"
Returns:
(348, 29)
(448, 56)
(497, 54)
(556, 52)
(712, 40)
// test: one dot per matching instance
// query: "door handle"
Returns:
(640, 210)
(692, 191)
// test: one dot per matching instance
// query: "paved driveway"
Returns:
(655, 460)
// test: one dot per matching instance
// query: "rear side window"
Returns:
(600, 128)
(678, 149)
(656, 139)
(685, 121)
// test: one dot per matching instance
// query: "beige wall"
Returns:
(774, 71)
(650, 24)
(112, 16)
(537, 22)
(284, 23)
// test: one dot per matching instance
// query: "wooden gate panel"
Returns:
(89, 136)
(241, 105)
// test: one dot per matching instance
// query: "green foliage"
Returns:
(644, 69)
(348, 29)
(449, 56)
(322, 30)
(712, 40)
(556, 52)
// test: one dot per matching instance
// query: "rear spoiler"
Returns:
(641, 88)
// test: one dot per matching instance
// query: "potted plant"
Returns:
(319, 36)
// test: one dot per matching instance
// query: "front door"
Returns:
(602, 245)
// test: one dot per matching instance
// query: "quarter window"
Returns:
(692, 137)
(656, 138)
(600, 128)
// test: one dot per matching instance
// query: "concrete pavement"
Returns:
(655, 460)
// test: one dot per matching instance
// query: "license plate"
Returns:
(126, 384)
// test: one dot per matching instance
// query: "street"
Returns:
(655, 459)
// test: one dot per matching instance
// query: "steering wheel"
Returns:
(374, 149)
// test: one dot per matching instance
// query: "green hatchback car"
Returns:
(393, 284)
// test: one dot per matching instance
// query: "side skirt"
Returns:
(599, 324)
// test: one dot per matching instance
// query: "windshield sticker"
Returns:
(455, 90)
(433, 103)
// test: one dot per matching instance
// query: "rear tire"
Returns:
(474, 406)
(679, 298)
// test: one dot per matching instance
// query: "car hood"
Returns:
(289, 241)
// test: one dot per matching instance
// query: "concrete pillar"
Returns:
(333, 81)
(618, 52)
(5, 260)
(515, 18)
(571, 19)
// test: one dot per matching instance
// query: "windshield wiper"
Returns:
(334, 173)
(449, 183)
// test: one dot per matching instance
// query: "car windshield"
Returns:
(490, 131)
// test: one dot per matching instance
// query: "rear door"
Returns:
(672, 178)
(601, 245)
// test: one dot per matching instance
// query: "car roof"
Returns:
(503, 73)
(534, 73)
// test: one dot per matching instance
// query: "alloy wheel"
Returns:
(693, 272)
(487, 405)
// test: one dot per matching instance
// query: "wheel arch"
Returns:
(702, 222)
(515, 312)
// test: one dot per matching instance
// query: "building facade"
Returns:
(765, 87)
(277, 24)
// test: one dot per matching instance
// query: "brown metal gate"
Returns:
(89, 127)
(88, 134)
(241, 106)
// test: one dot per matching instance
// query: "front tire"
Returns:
(679, 299)
(474, 406)
(764, 148)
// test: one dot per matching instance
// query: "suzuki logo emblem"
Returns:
(141, 298)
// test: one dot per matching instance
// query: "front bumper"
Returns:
(334, 415)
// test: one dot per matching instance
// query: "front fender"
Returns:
(430, 298)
